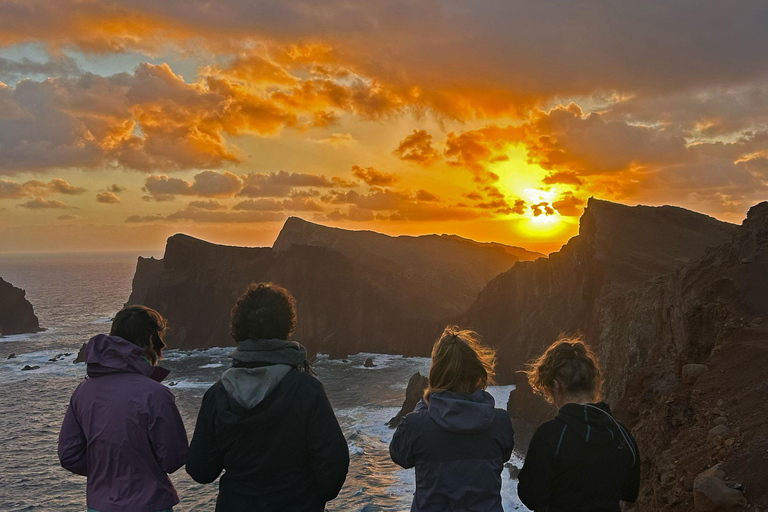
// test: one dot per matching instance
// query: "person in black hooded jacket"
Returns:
(457, 440)
(268, 423)
(583, 460)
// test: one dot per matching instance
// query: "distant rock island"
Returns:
(16, 313)
(355, 290)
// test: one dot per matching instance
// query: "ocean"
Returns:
(74, 296)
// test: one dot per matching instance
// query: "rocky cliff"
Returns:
(523, 310)
(354, 290)
(683, 351)
(16, 313)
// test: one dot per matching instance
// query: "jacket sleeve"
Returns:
(328, 450)
(534, 486)
(401, 447)
(631, 488)
(166, 432)
(72, 444)
(204, 461)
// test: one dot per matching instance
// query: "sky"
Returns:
(122, 123)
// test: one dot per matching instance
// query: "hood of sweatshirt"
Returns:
(591, 422)
(249, 386)
(105, 355)
(457, 412)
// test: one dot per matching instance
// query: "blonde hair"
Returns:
(569, 363)
(460, 363)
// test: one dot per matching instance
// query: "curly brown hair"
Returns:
(460, 363)
(143, 327)
(264, 311)
(570, 363)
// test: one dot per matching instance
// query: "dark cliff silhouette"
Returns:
(355, 290)
(681, 336)
(17, 316)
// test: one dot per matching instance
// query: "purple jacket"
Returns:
(123, 431)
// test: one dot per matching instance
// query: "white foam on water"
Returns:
(212, 365)
(187, 384)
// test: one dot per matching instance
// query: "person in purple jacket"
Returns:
(122, 429)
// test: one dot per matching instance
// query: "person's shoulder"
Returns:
(305, 380)
(417, 419)
(548, 431)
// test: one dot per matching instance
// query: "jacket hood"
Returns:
(591, 422)
(270, 351)
(111, 354)
(457, 412)
(249, 386)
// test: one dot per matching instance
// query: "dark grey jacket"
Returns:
(458, 444)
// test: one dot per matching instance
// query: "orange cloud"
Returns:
(107, 198)
(40, 203)
(417, 148)
(373, 177)
(13, 190)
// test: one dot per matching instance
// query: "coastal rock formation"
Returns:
(413, 393)
(355, 291)
(647, 327)
(16, 313)
(618, 247)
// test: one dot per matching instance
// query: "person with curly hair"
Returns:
(456, 439)
(267, 423)
(583, 459)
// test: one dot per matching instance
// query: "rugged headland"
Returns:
(355, 290)
(16, 313)
(675, 304)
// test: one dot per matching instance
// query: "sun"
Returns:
(521, 179)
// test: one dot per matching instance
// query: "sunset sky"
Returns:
(122, 123)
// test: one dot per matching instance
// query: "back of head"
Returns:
(567, 366)
(143, 327)
(264, 311)
(460, 363)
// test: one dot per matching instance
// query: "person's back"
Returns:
(456, 439)
(122, 429)
(583, 460)
(268, 423)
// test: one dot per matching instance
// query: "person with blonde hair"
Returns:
(583, 459)
(456, 438)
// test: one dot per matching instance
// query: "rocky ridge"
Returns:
(355, 291)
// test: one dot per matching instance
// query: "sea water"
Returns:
(75, 296)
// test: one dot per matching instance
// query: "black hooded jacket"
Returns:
(286, 452)
(583, 460)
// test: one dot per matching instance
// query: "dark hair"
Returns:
(570, 363)
(264, 311)
(460, 363)
(141, 326)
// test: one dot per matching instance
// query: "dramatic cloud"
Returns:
(282, 183)
(339, 140)
(13, 190)
(107, 198)
(59, 66)
(116, 188)
(373, 177)
(417, 148)
(210, 204)
(475, 149)
(205, 184)
(569, 205)
(40, 203)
